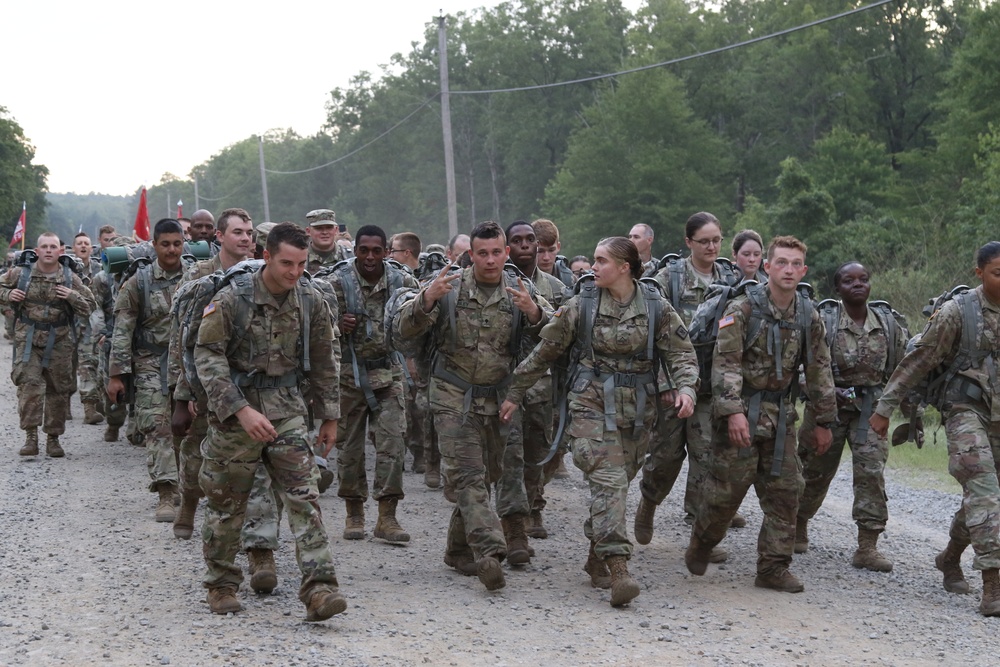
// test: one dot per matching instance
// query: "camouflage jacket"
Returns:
(269, 347)
(482, 353)
(693, 292)
(148, 322)
(739, 369)
(860, 353)
(939, 344)
(42, 306)
(620, 332)
(175, 357)
(556, 293)
(103, 316)
(318, 260)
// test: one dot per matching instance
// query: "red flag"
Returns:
(19, 229)
(140, 231)
(180, 209)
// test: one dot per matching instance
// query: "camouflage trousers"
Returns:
(231, 459)
(43, 393)
(669, 443)
(520, 488)
(88, 382)
(420, 435)
(386, 425)
(152, 421)
(731, 472)
(471, 462)
(868, 459)
(115, 413)
(974, 461)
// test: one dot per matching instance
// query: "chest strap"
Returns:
(50, 342)
(756, 398)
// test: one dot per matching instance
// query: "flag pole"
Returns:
(24, 215)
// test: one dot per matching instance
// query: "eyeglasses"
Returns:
(704, 243)
(393, 251)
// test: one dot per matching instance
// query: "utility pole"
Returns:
(449, 155)
(196, 206)
(263, 177)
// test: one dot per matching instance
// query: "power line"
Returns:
(234, 192)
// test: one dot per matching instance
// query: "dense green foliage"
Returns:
(21, 181)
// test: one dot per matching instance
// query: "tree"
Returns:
(21, 181)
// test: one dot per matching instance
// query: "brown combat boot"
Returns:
(624, 588)
(30, 443)
(326, 478)
(263, 571)
(464, 562)
(387, 527)
(738, 521)
(534, 527)
(432, 476)
(600, 575)
(778, 578)
(110, 433)
(165, 510)
(490, 573)
(355, 523)
(184, 521)
(90, 413)
(718, 555)
(643, 527)
(323, 604)
(949, 562)
(561, 472)
(223, 600)
(867, 556)
(990, 604)
(697, 556)
(517, 541)
(53, 448)
(419, 466)
(801, 535)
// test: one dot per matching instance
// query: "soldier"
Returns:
(457, 246)
(139, 347)
(323, 247)
(87, 373)
(106, 236)
(371, 386)
(202, 226)
(46, 299)
(102, 324)
(764, 335)
(477, 319)
(259, 365)
(548, 251)
(964, 337)
(642, 236)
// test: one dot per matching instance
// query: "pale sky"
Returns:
(113, 94)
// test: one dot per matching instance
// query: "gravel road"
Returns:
(88, 578)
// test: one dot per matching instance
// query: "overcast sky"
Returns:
(113, 94)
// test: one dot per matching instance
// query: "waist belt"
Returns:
(161, 351)
(637, 381)
(753, 416)
(50, 342)
(259, 380)
(868, 396)
(361, 368)
(471, 390)
(968, 388)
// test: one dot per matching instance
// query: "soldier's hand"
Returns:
(684, 405)
(62, 292)
(347, 323)
(180, 420)
(326, 438)
(507, 410)
(193, 409)
(115, 387)
(439, 287)
(879, 424)
(16, 295)
(824, 438)
(522, 299)
(739, 430)
(256, 425)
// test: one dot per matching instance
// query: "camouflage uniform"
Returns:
(369, 345)
(739, 370)
(269, 349)
(102, 324)
(318, 260)
(610, 454)
(470, 434)
(87, 365)
(971, 425)
(859, 355)
(138, 348)
(45, 379)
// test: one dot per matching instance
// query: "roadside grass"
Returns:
(927, 467)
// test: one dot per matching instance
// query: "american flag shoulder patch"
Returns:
(209, 309)
(726, 321)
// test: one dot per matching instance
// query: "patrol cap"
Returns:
(262, 230)
(435, 247)
(321, 217)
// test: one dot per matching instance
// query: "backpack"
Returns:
(419, 348)
(430, 264)
(704, 327)
(674, 263)
(26, 260)
(562, 271)
(892, 322)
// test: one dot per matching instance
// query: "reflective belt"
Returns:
(471, 390)
(50, 342)
(259, 380)
(753, 416)
(637, 381)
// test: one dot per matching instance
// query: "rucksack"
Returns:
(729, 275)
(562, 271)
(430, 264)
(704, 327)
(892, 322)
(26, 260)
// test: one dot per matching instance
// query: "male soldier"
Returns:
(520, 498)
(45, 297)
(90, 390)
(548, 251)
(764, 336)
(139, 347)
(202, 226)
(261, 339)
(457, 246)
(323, 247)
(106, 236)
(102, 324)
(185, 227)
(475, 320)
(641, 235)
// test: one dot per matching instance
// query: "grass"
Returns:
(926, 467)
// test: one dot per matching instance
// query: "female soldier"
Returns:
(609, 414)
(685, 283)
(970, 410)
(866, 343)
(748, 255)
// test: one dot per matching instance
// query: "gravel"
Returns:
(88, 577)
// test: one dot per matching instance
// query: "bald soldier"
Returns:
(202, 226)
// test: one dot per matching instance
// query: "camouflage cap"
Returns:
(262, 230)
(435, 247)
(320, 217)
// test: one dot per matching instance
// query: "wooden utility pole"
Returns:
(263, 177)
(196, 205)
(449, 156)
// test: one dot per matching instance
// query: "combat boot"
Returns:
(432, 476)
(643, 526)
(263, 571)
(697, 556)
(223, 600)
(718, 555)
(561, 472)
(91, 414)
(801, 535)
(387, 527)
(738, 521)
(949, 562)
(53, 448)
(778, 578)
(600, 575)
(326, 478)
(323, 604)
(464, 562)
(30, 443)
(867, 556)
(419, 466)
(534, 526)
(490, 573)
(990, 604)
(184, 521)
(517, 541)
(110, 433)
(623, 587)
(165, 511)
(355, 523)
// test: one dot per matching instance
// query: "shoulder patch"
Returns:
(558, 312)
(209, 309)
(726, 321)
(681, 332)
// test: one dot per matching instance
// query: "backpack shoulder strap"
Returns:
(654, 314)
(305, 292)
(675, 270)
(589, 300)
(804, 312)
(829, 310)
